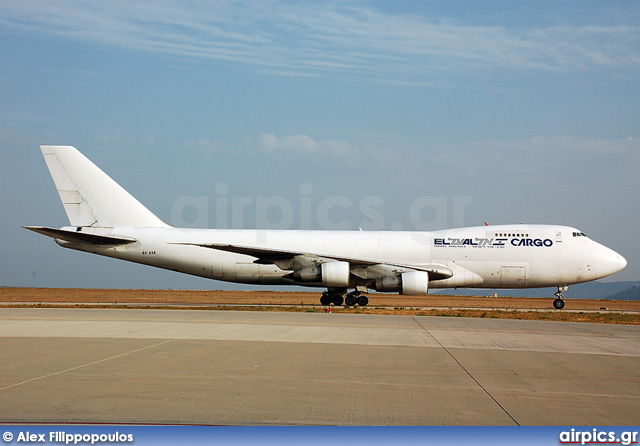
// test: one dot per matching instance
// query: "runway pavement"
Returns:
(227, 367)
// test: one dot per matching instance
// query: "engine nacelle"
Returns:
(388, 284)
(311, 274)
(335, 274)
(413, 282)
(330, 274)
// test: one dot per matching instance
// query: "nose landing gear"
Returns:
(558, 304)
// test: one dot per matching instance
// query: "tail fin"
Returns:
(90, 197)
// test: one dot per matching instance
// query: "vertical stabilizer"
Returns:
(90, 197)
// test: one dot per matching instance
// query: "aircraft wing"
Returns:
(286, 259)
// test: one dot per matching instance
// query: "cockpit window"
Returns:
(579, 234)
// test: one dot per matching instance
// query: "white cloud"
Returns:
(306, 145)
(536, 155)
(307, 39)
(296, 149)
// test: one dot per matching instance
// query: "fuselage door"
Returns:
(513, 276)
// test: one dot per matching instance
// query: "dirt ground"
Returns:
(182, 297)
(596, 311)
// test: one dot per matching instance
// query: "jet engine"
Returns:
(330, 274)
(412, 282)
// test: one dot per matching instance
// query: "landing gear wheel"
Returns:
(352, 298)
(333, 296)
(363, 301)
(558, 304)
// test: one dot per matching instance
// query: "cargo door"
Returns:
(513, 276)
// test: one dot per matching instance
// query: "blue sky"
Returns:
(435, 114)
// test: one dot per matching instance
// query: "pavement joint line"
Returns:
(123, 354)
(466, 371)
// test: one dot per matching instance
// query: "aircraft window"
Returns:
(583, 234)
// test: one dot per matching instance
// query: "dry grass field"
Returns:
(467, 306)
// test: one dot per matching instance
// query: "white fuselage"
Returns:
(106, 220)
(509, 256)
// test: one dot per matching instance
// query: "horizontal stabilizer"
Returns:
(81, 237)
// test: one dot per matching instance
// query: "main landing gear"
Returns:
(333, 296)
(356, 297)
(337, 297)
(558, 304)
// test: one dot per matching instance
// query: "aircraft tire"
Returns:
(325, 299)
(338, 300)
(363, 301)
(558, 304)
(350, 301)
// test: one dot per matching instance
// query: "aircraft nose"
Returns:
(622, 262)
(606, 261)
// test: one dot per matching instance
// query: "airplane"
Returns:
(106, 220)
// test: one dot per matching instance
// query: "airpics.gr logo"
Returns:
(479, 242)
(597, 436)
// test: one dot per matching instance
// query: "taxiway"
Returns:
(228, 367)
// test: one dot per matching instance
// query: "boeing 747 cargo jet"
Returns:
(106, 220)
